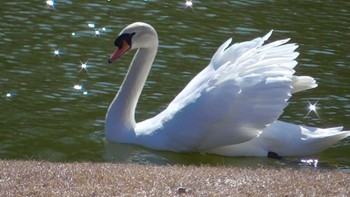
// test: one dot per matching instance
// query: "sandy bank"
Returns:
(33, 178)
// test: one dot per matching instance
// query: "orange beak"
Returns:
(119, 52)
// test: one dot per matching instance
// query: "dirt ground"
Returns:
(35, 178)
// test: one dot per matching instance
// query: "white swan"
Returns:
(230, 108)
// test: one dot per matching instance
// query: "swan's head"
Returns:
(134, 36)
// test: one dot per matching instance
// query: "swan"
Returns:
(230, 108)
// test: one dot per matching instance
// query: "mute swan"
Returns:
(230, 108)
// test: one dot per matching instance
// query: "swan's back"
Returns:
(244, 89)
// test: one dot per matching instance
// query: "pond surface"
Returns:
(53, 109)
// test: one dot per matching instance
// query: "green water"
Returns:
(44, 117)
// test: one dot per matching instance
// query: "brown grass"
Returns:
(34, 178)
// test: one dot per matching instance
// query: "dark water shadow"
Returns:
(126, 153)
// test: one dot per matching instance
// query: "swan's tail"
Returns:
(286, 139)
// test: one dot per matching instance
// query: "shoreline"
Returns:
(41, 178)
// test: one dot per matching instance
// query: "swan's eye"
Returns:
(127, 37)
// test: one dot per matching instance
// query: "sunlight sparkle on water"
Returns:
(91, 25)
(189, 3)
(310, 162)
(312, 108)
(56, 52)
(8, 95)
(99, 31)
(83, 66)
(78, 87)
(50, 3)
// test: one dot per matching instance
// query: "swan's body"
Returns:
(230, 108)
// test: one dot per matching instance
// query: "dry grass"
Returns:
(33, 178)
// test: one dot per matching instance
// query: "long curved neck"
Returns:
(121, 112)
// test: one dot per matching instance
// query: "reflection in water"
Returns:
(127, 153)
(43, 116)
(310, 162)
(137, 154)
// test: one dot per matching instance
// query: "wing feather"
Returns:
(244, 89)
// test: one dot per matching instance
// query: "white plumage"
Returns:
(230, 108)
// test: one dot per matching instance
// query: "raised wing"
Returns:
(244, 88)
